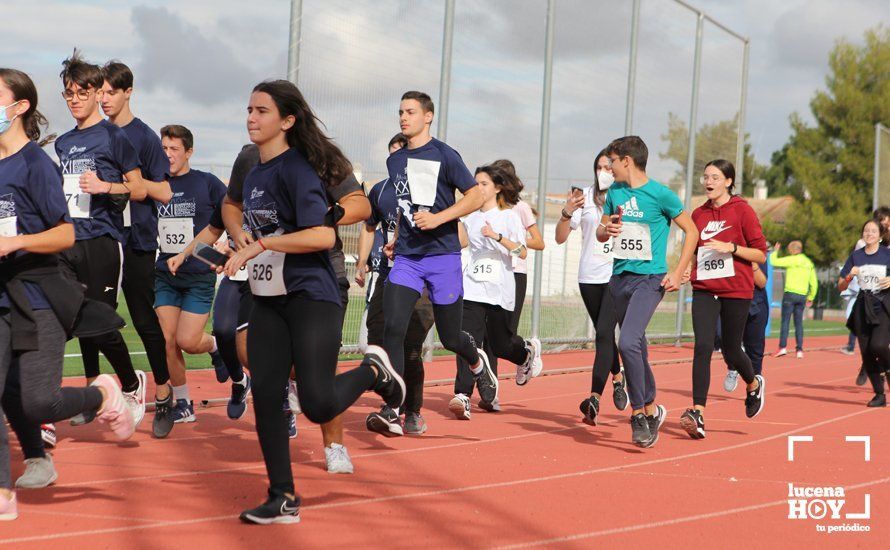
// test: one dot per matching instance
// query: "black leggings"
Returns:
(398, 305)
(732, 314)
(225, 323)
(598, 301)
(293, 330)
(489, 321)
(138, 285)
(521, 288)
(874, 346)
(26, 429)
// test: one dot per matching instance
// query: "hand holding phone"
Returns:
(577, 191)
(209, 255)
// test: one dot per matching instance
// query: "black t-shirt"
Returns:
(250, 157)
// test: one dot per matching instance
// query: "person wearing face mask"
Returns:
(39, 307)
(730, 241)
(870, 318)
(584, 209)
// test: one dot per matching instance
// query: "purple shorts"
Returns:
(442, 274)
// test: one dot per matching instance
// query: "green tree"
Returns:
(829, 167)
(717, 140)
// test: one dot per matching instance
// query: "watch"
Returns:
(500, 236)
(735, 248)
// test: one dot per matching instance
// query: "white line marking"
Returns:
(795, 439)
(864, 439)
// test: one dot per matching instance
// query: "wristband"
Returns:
(517, 251)
(566, 215)
(735, 248)
(262, 245)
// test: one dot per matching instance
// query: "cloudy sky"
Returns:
(196, 61)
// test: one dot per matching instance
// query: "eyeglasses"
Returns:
(81, 94)
(714, 177)
(613, 160)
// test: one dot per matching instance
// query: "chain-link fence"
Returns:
(882, 166)
(653, 68)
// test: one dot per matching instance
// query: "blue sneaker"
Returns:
(183, 412)
(222, 373)
(238, 402)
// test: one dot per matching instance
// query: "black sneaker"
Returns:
(694, 423)
(590, 408)
(219, 366)
(238, 402)
(879, 400)
(389, 385)
(862, 377)
(277, 509)
(754, 401)
(486, 381)
(619, 394)
(490, 407)
(162, 424)
(642, 436)
(655, 422)
(386, 422)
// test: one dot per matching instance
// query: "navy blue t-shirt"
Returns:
(385, 213)
(285, 195)
(377, 260)
(196, 195)
(104, 149)
(859, 258)
(143, 231)
(31, 193)
(452, 174)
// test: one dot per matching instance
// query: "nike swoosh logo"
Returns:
(287, 510)
(705, 235)
(107, 288)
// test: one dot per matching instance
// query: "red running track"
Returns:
(530, 476)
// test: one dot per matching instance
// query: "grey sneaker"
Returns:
(337, 458)
(731, 382)
(39, 473)
(639, 426)
(414, 423)
(655, 422)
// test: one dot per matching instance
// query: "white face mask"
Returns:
(605, 179)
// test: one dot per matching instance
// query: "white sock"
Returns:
(478, 368)
(396, 409)
(181, 392)
(243, 381)
(213, 348)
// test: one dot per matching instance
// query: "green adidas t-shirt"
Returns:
(654, 205)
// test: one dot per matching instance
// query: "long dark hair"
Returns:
(599, 197)
(23, 89)
(726, 168)
(508, 196)
(306, 135)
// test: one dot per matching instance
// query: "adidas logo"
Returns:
(713, 228)
(631, 209)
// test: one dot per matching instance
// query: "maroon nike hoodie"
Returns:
(734, 222)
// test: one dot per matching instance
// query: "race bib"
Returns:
(486, 270)
(127, 218)
(714, 265)
(423, 178)
(241, 275)
(606, 249)
(634, 242)
(175, 234)
(266, 273)
(78, 201)
(8, 227)
(870, 275)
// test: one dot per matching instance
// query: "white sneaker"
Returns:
(460, 407)
(337, 458)
(538, 363)
(524, 370)
(799, 354)
(782, 352)
(135, 400)
(731, 381)
(292, 400)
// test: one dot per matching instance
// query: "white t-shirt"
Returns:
(527, 218)
(488, 273)
(595, 266)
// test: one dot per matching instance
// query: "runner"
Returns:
(427, 249)
(297, 315)
(584, 209)
(754, 338)
(141, 231)
(730, 241)
(383, 220)
(637, 214)
(184, 286)
(493, 236)
(34, 227)
(101, 173)
(870, 319)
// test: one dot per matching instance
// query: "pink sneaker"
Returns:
(9, 509)
(115, 412)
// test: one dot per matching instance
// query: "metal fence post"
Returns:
(542, 162)
(690, 158)
(876, 199)
(743, 103)
(632, 70)
(293, 46)
(445, 71)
